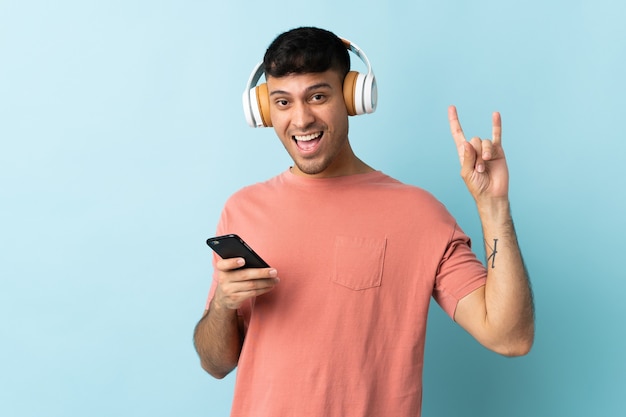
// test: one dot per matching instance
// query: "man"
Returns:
(336, 325)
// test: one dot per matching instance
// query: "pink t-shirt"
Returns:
(359, 258)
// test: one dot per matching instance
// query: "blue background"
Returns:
(122, 134)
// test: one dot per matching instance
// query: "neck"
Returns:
(344, 164)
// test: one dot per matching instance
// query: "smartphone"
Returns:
(232, 246)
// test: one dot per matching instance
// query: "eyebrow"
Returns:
(308, 89)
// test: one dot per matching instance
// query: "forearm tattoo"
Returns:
(494, 251)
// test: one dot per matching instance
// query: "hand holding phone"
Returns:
(235, 286)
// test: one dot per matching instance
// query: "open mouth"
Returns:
(308, 143)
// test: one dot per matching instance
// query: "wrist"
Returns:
(220, 310)
(494, 209)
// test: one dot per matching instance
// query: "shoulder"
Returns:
(418, 202)
(410, 192)
(254, 191)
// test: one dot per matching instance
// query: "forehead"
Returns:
(302, 83)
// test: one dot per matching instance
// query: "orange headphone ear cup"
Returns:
(263, 101)
(349, 87)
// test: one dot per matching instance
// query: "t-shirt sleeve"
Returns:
(459, 273)
(220, 230)
(245, 310)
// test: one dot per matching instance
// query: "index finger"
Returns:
(496, 132)
(455, 126)
(229, 264)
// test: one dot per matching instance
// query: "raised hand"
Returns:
(483, 164)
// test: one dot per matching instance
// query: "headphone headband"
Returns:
(360, 92)
(358, 52)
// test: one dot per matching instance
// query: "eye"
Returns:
(281, 102)
(318, 98)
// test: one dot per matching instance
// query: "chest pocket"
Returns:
(358, 262)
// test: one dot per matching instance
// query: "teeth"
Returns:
(307, 138)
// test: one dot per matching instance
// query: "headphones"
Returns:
(359, 92)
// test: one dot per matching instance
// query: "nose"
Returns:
(302, 116)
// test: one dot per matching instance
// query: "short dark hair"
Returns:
(306, 50)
